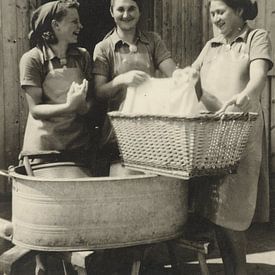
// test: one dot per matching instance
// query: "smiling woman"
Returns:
(233, 69)
(125, 14)
(54, 75)
(126, 57)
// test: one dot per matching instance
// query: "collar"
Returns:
(116, 39)
(242, 36)
(48, 53)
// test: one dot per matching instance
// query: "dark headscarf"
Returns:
(41, 21)
(250, 7)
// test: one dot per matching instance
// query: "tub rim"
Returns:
(13, 173)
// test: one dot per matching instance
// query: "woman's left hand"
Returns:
(85, 106)
(241, 100)
(76, 97)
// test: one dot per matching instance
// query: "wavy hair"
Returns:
(250, 8)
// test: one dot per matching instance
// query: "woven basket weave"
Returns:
(182, 147)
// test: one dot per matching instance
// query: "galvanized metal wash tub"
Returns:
(50, 213)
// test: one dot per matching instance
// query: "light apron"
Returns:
(230, 201)
(64, 132)
(124, 62)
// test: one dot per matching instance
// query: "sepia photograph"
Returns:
(137, 137)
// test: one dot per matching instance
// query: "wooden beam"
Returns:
(13, 258)
(78, 259)
(2, 106)
(11, 93)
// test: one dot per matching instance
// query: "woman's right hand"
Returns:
(133, 78)
(77, 95)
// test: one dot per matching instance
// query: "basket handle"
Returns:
(232, 101)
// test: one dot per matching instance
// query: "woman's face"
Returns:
(67, 30)
(126, 14)
(225, 18)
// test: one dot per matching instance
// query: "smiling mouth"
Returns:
(220, 26)
(127, 20)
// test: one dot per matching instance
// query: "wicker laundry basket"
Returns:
(182, 147)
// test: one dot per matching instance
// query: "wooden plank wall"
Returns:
(14, 28)
(266, 20)
(270, 26)
(184, 26)
(2, 109)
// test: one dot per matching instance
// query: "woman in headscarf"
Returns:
(54, 75)
(233, 69)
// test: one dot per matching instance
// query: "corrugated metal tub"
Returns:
(50, 213)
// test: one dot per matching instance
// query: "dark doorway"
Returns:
(96, 21)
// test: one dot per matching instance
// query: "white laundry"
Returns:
(164, 96)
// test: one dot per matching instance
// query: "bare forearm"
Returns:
(167, 67)
(255, 86)
(257, 81)
(45, 111)
(211, 102)
(110, 89)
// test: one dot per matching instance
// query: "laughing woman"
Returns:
(54, 75)
(126, 57)
(233, 69)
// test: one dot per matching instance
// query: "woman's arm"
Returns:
(211, 102)
(39, 110)
(257, 74)
(167, 67)
(107, 90)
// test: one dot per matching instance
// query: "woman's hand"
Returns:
(76, 97)
(241, 100)
(132, 78)
(181, 76)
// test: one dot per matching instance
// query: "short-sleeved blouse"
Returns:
(34, 64)
(104, 52)
(220, 63)
(112, 57)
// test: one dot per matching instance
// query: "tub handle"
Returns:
(4, 173)
(6, 229)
